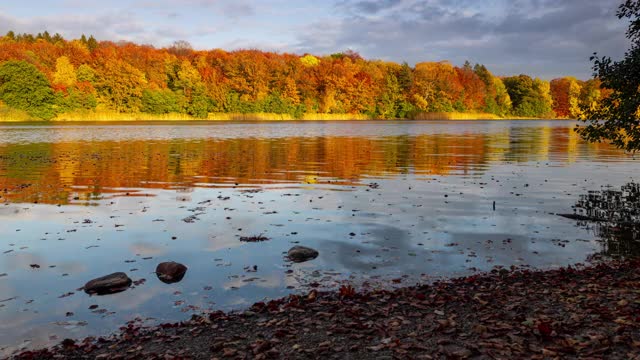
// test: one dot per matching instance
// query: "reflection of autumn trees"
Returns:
(57, 172)
(614, 215)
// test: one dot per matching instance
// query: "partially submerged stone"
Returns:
(109, 284)
(301, 254)
(170, 272)
(578, 217)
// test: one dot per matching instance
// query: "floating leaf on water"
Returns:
(258, 238)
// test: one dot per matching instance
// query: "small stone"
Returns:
(170, 272)
(301, 254)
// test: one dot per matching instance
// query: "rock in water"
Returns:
(109, 284)
(579, 217)
(301, 254)
(170, 272)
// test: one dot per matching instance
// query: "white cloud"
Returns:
(540, 37)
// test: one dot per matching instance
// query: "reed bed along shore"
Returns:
(9, 114)
(114, 116)
(456, 116)
(12, 115)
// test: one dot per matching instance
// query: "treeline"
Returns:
(48, 76)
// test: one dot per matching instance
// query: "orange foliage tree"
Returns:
(127, 77)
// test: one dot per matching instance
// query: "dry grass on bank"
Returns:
(12, 115)
(9, 114)
(114, 116)
(455, 116)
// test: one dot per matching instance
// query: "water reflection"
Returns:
(614, 215)
(78, 171)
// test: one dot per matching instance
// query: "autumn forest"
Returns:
(81, 78)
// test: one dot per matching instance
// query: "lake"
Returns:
(387, 203)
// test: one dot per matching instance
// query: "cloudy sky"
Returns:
(546, 38)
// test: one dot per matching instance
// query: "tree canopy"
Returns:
(87, 75)
(616, 118)
(24, 87)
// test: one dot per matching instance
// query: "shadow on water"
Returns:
(614, 216)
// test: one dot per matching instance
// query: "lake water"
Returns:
(385, 204)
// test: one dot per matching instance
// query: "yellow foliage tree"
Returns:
(574, 99)
(120, 86)
(65, 72)
(309, 60)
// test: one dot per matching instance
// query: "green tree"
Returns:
(617, 118)
(543, 100)
(86, 73)
(24, 87)
(92, 43)
(390, 102)
(190, 85)
(161, 101)
(590, 95)
(74, 100)
(405, 77)
(57, 38)
(497, 100)
(503, 100)
(530, 97)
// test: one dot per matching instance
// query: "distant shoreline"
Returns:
(267, 117)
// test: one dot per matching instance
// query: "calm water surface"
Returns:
(403, 201)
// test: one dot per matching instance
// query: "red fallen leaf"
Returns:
(273, 305)
(260, 346)
(421, 297)
(280, 333)
(347, 291)
(545, 329)
(471, 279)
(228, 352)
(258, 307)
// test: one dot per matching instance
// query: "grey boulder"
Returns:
(301, 254)
(109, 284)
